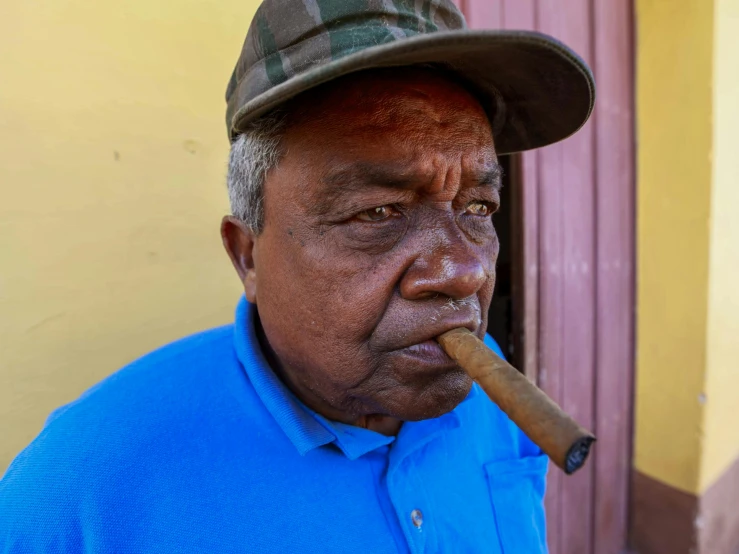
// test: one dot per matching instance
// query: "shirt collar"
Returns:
(306, 429)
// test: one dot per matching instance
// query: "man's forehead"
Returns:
(374, 123)
(389, 97)
(389, 130)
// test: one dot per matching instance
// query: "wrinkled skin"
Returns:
(376, 217)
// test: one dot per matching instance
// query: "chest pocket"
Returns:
(517, 494)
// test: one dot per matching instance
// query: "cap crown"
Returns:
(288, 37)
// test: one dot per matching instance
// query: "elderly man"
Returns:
(363, 177)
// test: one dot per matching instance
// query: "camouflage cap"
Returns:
(536, 89)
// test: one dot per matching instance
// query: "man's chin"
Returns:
(432, 399)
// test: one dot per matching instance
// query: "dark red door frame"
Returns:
(574, 301)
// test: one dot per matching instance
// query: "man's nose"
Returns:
(452, 267)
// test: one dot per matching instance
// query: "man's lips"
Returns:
(428, 350)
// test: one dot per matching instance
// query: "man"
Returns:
(363, 176)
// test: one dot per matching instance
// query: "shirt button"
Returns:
(417, 518)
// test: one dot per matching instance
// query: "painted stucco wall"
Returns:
(112, 163)
(721, 419)
(674, 133)
(687, 382)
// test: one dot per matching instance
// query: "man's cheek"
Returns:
(352, 295)
(355, 310)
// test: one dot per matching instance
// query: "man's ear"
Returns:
(238, 240)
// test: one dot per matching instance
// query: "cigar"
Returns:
(551, 429)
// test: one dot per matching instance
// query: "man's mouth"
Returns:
(421, 341)
(428, 351)
(414, 334)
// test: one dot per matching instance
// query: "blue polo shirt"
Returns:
(198, 447)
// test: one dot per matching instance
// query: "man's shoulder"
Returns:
(189, 400)
(154, 384)
(180, 390)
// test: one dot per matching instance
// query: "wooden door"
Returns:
(573, 271)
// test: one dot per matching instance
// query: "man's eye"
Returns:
(479, 208)
(376, 214)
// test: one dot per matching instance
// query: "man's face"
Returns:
(377, 238)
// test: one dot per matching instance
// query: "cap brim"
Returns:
(538, 90)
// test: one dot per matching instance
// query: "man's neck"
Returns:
(382, 424)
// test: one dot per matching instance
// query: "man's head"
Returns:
(371, 235)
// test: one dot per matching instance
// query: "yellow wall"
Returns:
(687, 388)
(674, 78)
(721, 437)
(112, 164)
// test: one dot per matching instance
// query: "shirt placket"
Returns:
(406, 487)
(410, 501)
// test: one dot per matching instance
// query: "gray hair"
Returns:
(253, 154)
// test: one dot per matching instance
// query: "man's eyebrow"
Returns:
(359, 177)
(492, 176)
(361, 174)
